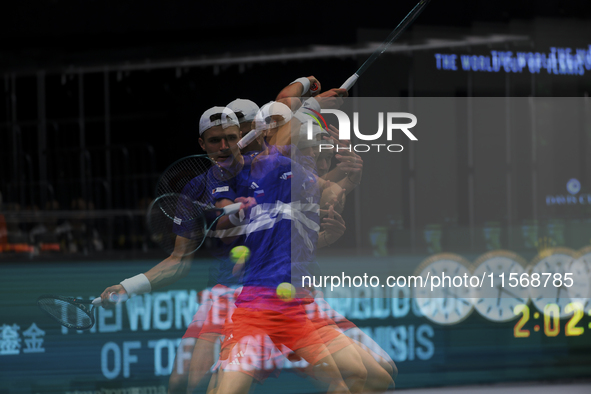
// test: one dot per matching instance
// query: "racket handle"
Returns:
(350, 82)
(112, 297)
(248, 138)
(232, 208)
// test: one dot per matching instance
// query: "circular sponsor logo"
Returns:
(573, 186)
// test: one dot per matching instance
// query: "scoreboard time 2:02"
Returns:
(549, 320)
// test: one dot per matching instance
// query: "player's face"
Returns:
(323, 162)
(220, 143)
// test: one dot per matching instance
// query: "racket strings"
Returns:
(68, 314)
(184, 190)
(180, 208)
(175, 215)
(181, 173)
(184, 201)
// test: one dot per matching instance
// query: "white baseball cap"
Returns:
(247, 108)
(210, 119)
(272, 108)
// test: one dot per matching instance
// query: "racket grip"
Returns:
(112, 297)
(248, 138)
(350, 82)
(232, 208)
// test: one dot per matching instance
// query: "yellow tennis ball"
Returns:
(286, 291)
(240, 254)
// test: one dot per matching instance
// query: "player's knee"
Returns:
(379, 381)
(387, 367)
(390, 368)
(356, 374)
(360, 376)
(394, 372)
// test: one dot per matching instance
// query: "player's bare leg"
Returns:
(378, 379)
(343, 370)
(214, 382)
(201, 363)
(349, 367)
(366, 343)
(177, 383)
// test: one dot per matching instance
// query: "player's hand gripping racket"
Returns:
(174, 215)
(72, 312)
(402, 26)
(314, 89)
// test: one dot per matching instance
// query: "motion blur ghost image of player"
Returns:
(246, 111)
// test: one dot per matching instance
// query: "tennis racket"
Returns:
(71, 312)
(197, 171)
(251, 136)
(173, 214)
(402, 26)
(248, 138)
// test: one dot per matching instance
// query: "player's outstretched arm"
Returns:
(173, 268)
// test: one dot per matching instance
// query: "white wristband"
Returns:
(305, 82)
(137, 285)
